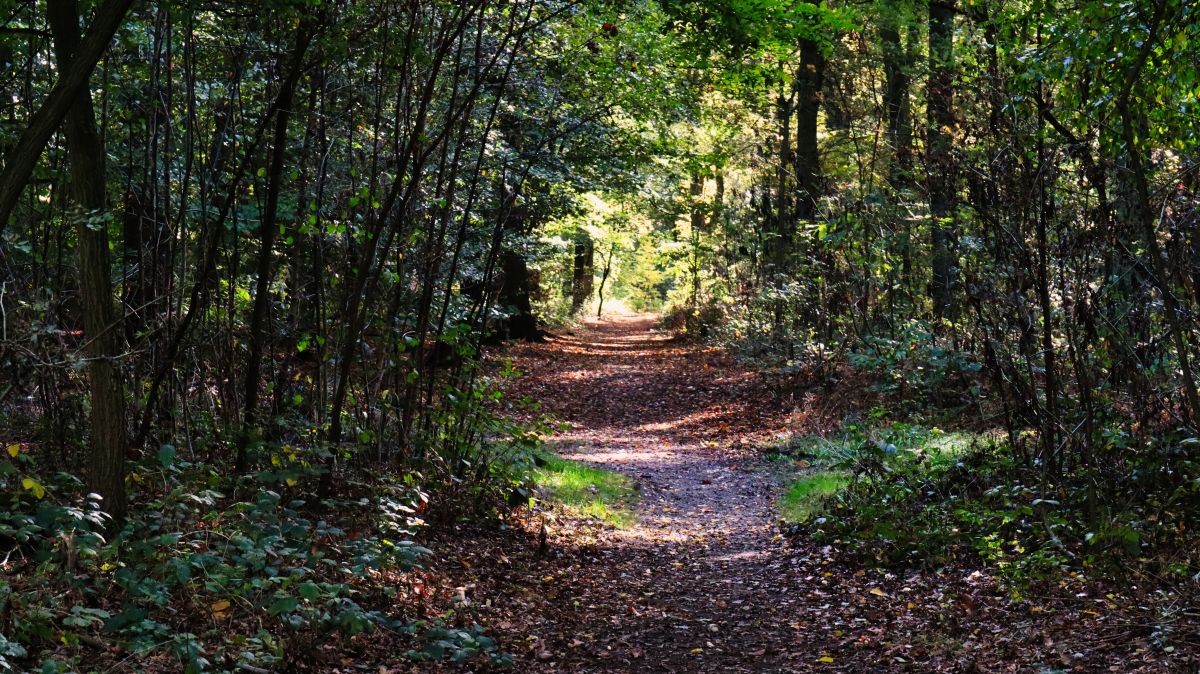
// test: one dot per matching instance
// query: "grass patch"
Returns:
(588, 491)
(804, 496)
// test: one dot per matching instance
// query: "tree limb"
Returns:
(23, 158)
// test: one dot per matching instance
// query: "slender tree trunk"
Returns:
(608, 259)
(895, 103)
(778, 207)
(696, 190)
(807, 157)
(266, 252)
(102, 334)
(1049, 425)
(940, 164)
(806, 167)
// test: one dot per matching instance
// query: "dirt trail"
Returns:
(693, 586)
(702, 583)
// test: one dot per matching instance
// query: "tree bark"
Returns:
(895, 103)
(696, 191)
(266, 251)
(109, 437)
(608, 260)
(807, 158)
(581, 279)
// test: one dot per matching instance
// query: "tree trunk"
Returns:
(806, 166)
(1051, 460)
(581, 279)
(895, 103)
(807, 158)
(266, 250)
(940, 164)
(696, 191)
(517, 286)
(608, 259)
(106, 474)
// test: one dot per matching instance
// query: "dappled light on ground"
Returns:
(701, 580)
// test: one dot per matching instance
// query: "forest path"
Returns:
(700, 582)
(694, 584)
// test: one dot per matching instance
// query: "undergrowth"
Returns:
(818, 468)
(218, 572)
(900, 496)
(221, 574)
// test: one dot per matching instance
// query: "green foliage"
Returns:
(927, 500)
(592, 492)
(269, 570)
(457, 645)
(10, 653)
(739, 27)
(482, 454)
(699, 323)
(916, 363)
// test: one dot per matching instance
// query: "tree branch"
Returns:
(23, 158)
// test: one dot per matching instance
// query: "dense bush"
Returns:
(907, 504)
(260, 570)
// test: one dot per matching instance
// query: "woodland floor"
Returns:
(702, 582)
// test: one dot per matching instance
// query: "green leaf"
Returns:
(283, 605)
(310, 591)
(166, 455)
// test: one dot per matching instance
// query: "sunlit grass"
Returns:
(816, 466)
(947, 447)
(805, 494)
(587, 491)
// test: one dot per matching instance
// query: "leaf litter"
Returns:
(704, 582)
